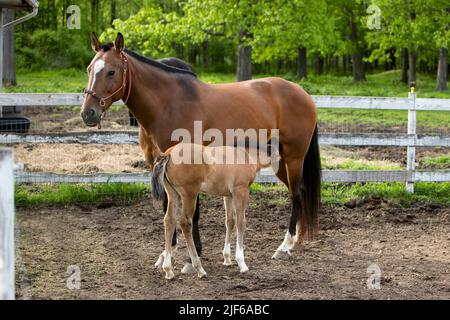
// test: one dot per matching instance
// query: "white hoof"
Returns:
(188, 269)
(202, 273)
(244, 269)
(227, 262)
(159, 263)
(170, 275)
(281, 255)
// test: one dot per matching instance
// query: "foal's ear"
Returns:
(95, 43)
(119, 43)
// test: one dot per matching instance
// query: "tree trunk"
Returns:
(357, 54)
(358, 67)
(404, 77)
(244, 65)
(442, 70)
(301, 64)
(205, 55)
(344, 64)
(412, 66)
(113, 11)
(9, 57)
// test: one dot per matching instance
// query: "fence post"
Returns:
(412, 136)
(7, 291)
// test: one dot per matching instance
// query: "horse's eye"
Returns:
(111, 73)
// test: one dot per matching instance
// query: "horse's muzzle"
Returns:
(90, 117)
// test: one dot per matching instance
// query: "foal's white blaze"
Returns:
(240, 259)
(99, 65)
(283, 249)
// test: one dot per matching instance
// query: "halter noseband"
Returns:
(126, 70)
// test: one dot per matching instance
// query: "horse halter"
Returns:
(126, 73)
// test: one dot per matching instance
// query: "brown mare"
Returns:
(224, 171)
(164, 98)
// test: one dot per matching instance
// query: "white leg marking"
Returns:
(227, 254)
(167, 266)
(283, 249)
(240, 259)
(160, 260)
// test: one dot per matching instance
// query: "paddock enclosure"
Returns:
(106, 247)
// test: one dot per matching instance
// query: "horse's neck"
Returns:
(150, 92)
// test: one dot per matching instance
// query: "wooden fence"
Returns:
(411, 140)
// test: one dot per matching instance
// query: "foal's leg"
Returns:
(187, 212)
(188, 267)
(294, 170)
(240, 200)
(170, 226)
(230, 224)
(160, 261)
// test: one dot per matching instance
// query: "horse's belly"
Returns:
(215, 189)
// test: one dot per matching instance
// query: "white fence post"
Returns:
(412, 135)
(7, 291)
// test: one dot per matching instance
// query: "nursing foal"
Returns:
(187, 169)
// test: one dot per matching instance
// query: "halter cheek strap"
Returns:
(126, 74)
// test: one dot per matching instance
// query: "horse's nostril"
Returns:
(90, 113)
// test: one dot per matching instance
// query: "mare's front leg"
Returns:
(230, 224)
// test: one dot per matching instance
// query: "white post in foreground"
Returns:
(412, 135)
(7, 291)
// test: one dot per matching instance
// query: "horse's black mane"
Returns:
(181, 66)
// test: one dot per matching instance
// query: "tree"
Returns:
(288, 29)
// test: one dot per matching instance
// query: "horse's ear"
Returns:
(119, 43)
(95, 43)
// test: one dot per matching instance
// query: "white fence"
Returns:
(6, 225)
(410, 140)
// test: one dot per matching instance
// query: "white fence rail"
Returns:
(6, 225)
(410, 140)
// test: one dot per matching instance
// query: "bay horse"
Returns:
(220, 173)
(164, 99)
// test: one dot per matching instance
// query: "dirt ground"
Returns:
(116, 247)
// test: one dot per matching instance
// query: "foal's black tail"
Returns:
(159, 171)
(310, 190)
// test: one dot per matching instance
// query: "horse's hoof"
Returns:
(188, 269)
(244, 269)
(202, 273)
(159, 263)
(227, 262)
(281, 255)
(170, 275)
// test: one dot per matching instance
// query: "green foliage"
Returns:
(47, 49)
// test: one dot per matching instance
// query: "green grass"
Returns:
(353, 164)
(332, 193)
(71, 194)
(437, 162)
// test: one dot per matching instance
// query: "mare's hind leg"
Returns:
(240, 201)
(187, 212)
(230, 224)
(291, 175)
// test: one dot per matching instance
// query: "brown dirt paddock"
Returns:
(115, 248)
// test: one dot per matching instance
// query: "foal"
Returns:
(187, 169)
